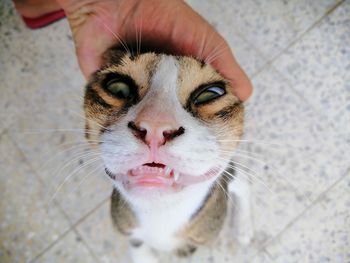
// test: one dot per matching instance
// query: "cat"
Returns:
(166, 127)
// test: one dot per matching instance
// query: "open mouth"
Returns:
(153, 175)
(159, 175)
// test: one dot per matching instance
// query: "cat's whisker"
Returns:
(137, 40)
(276, 171)
(228, 195)
(85, 177)
(59, 153)
(262, 142)
(40, 131)
(217, 50)
(73, 145)
(71, 174)
(245, 154)
(87, 118)
(125, 46)
(207, 39)
(138, 32)
(251, 176)
(140, 35)
(200, 53)
(58, 171)
(216, 55)
(245, 170)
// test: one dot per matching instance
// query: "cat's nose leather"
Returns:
(155, 133)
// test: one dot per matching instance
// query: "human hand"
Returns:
(171, 26)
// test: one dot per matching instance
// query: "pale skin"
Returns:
(171, 26)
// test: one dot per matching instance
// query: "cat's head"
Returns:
(162, 122)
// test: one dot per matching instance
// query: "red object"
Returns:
(44, 20)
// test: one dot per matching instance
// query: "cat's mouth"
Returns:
(155, 175)
(159, 175)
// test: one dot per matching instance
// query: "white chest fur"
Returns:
(161, 219)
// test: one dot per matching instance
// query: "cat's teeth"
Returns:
(176, 176)
(167, 171)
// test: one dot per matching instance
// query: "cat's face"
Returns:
(162, 122)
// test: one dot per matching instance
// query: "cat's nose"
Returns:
(155, 133)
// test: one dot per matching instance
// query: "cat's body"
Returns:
(173, 224)
(166, 126)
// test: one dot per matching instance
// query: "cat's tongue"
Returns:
(151, 175)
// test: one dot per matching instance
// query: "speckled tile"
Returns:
(50, 130)
(41, 91)
(262, 257)
(69, 249)
(32, 63)
(269, 25)
(98, 231)
(28, 222)
(110, 246)
(13, 65)
(318, 67)
(322, 234)
(72, 171)
(51, 135)
(287, 161)
(248, 58)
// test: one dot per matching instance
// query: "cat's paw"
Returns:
(245, 238)
(142, 254)
(145, 258)
(244, 231)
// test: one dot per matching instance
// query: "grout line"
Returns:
(72, 228)
(270, 257)
(91, 251)
(4, 131)
(59, 207)
(65, 233)
(269, 64)
(298, 38)
(317, 200)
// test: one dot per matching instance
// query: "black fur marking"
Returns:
(93, 96)
(203, 64)
(136, 242)
(87, 128)
(103, 130)
(113, 56)
(186, 251)
(227, 112)
(110, 174)
(224, 177)
(202, 205)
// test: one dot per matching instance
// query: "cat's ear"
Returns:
(113, 55)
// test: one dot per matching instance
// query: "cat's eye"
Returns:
(119, 89)
(209, 93)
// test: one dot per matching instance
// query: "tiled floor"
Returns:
(297, 139)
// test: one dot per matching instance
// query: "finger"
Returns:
(230, 69)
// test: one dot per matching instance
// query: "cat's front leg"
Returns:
(141, 253)
(243, 225)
